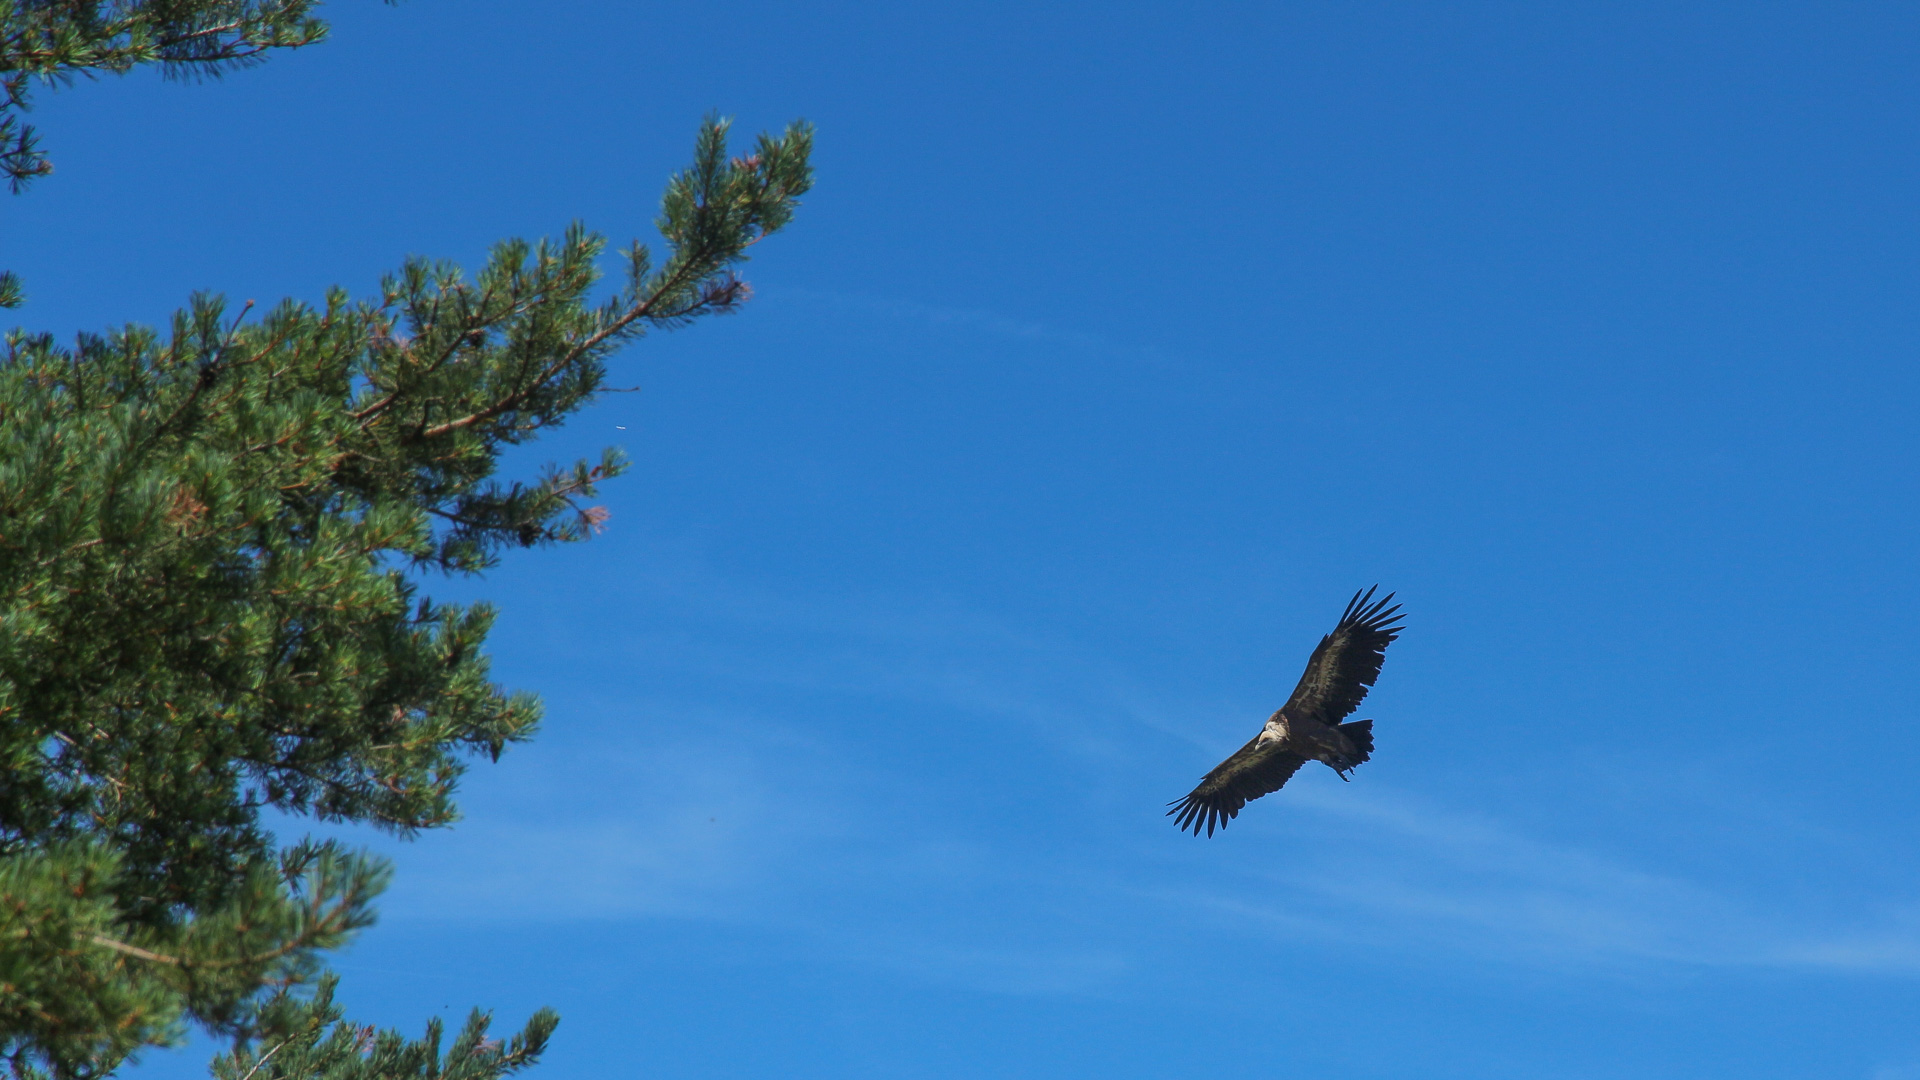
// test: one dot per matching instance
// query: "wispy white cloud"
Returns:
(685, 827)
(764, 821)
(1396, 872)
(1888, 945)
(1404, 875)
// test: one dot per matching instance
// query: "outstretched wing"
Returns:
(1347, 661)
(1254, 770)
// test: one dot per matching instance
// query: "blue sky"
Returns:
(1117, 346)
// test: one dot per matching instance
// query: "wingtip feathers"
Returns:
(1378, 616)
(1192, 813)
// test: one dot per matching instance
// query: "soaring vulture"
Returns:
(1308, 726)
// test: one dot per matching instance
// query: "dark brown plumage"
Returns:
(1308, 727)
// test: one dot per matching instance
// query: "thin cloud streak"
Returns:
(785, 830)
(1405, 874)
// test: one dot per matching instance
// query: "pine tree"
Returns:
(212, 540)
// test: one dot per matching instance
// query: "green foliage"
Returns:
(83, 986)
(307, 1039)
(52, 41)
(209, 540)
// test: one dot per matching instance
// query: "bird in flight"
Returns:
(1308, 726)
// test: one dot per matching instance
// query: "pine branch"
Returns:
(202, 615)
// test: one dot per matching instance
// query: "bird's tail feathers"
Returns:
(1360, 733)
